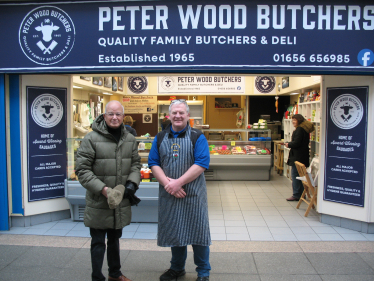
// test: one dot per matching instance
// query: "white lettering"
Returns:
(103, 18)
(338, 17)
(263, 12)
(117, 18)
(312, 10)
(213, 24)
(146, 17)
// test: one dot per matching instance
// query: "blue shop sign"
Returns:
(188, 35)
(346, 136)
(46, 139)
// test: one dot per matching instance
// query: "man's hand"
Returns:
(104, 192)
(174, 188)
(180, 194)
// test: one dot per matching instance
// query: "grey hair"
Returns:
(179, 102)
(112, 101)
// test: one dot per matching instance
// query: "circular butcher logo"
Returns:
(346, 111)
(47, 110)
(137, 84)
(167, 83)
(147, 118)
(46, 35)
(265, 84)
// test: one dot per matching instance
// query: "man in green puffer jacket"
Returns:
(107, 160)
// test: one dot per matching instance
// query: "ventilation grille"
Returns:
(81, 212)
(209, 174)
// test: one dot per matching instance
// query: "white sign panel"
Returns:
(140, 104)
(201, 84)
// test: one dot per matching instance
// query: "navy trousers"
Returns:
(98, 252)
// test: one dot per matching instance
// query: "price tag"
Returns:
(148, 145)
(146, 180)
(215, 153)
(232, 143)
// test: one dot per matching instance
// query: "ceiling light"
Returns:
(294, 94)
(77, 87)
(108, 94)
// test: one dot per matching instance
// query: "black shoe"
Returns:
(205, 278)
(172, 275)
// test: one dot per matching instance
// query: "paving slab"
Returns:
(148, 261)
(45, 256)
(236, 277)
(82, 274)
(40, 273)
(295, 277)
(283, 263)
(239, 263)
(347, 277)
(368, 258)
(10, 253)
(339, 264)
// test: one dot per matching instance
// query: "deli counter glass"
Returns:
(75, 193)
(232, 158)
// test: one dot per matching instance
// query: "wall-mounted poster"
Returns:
(97, 81)
(140, 104)
(346, 141)
(46, 142)
(114, 84)
(108, 82)
(85, 78)
(120, 83)
(285, 82)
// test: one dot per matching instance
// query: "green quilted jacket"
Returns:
(102, 161)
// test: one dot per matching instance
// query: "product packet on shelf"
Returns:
(237, 150)
(250, 149)
(224, 151)
(263, 151)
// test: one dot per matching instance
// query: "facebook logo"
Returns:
(365, 57)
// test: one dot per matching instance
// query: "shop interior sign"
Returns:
(201, 84)
(147, 118)
(46, 142)
(346, 141)
(193, 36)
(140, 104)
(264, 85)
(137, 85)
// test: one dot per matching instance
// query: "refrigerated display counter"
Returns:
(240, 160)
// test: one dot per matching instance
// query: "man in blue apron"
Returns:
(178, 159)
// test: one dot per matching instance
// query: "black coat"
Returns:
(300, 144)
(131, 130)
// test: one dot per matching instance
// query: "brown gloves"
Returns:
(115, 195)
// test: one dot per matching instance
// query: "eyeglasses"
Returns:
(111, 114)
(180, 100)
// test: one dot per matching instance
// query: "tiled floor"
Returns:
(238, 210)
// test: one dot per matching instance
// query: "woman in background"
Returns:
(165, 122)
(299, 145)
(128, 123)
